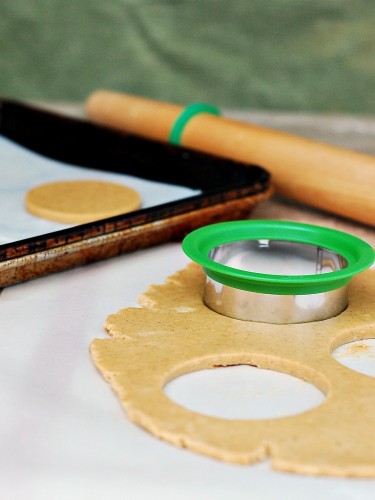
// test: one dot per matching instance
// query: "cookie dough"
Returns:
(174, 333)
(80, 201)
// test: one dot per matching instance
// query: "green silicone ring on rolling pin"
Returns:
(189, 112)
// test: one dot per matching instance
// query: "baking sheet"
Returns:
(22, 169)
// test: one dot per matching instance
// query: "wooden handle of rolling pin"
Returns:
(324, 176)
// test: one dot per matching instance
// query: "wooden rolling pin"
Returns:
(331, 178)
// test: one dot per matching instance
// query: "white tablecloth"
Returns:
(63, 433)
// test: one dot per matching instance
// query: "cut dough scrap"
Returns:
(174, 333)
(80, 201)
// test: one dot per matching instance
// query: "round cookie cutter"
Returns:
(277, 271)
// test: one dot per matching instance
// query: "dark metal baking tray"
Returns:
(228, 190)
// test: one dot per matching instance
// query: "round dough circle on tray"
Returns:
(80, 201)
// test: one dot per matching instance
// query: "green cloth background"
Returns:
(308, 55)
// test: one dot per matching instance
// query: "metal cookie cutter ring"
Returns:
(276, 271)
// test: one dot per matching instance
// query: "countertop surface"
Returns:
(63, 432)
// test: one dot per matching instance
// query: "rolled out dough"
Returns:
(175, 333)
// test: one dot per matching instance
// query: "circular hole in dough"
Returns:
(243, 392)
(80, 201)
(358, 355)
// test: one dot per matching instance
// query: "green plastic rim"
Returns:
(189, 112)
(198, 244)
